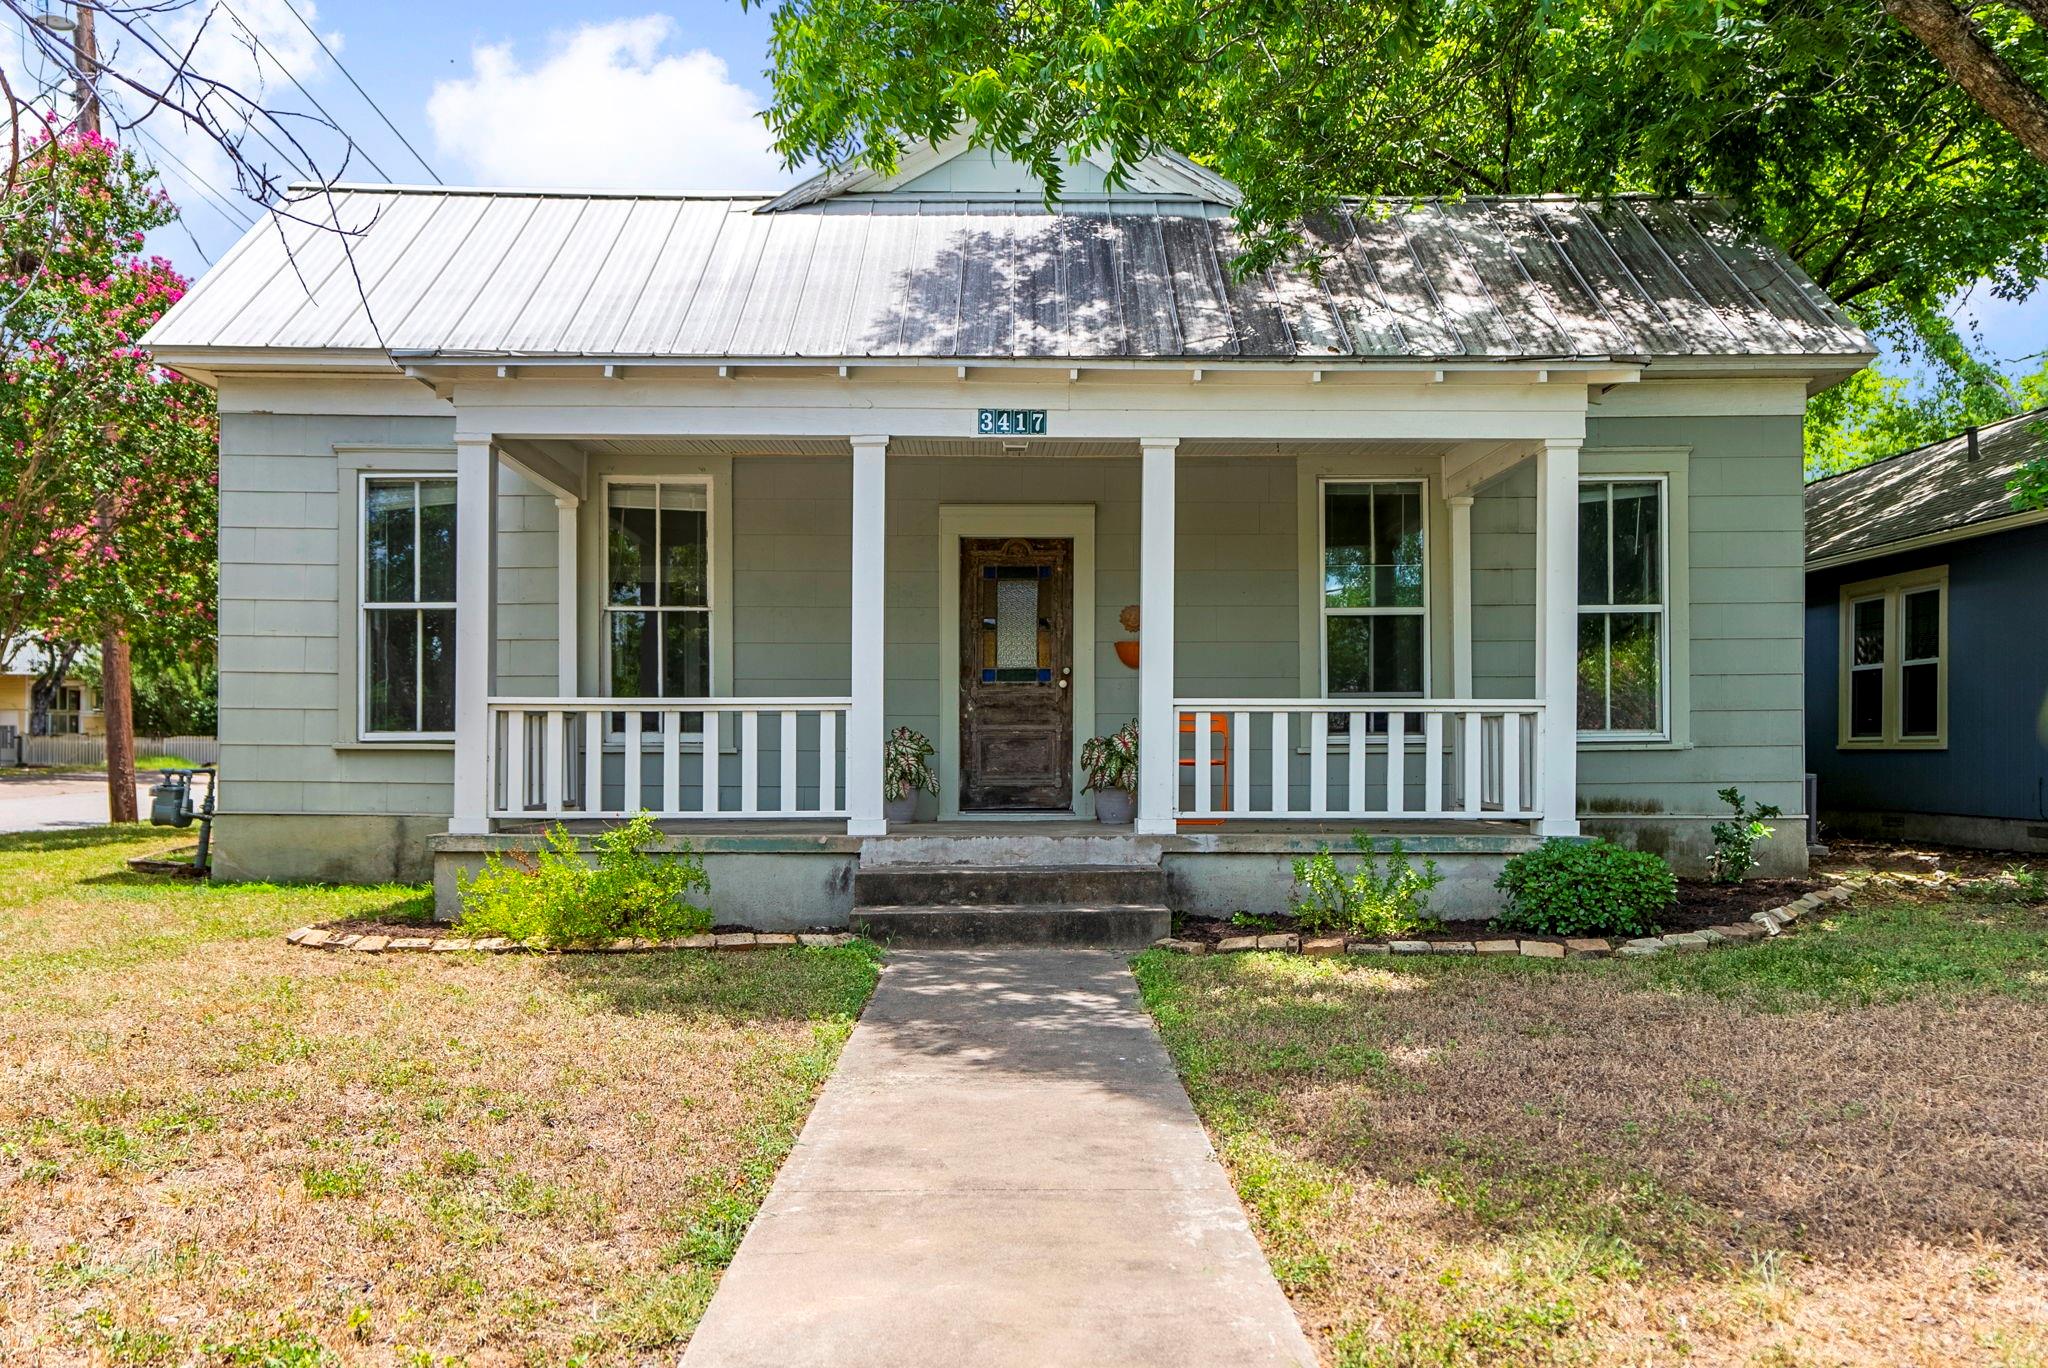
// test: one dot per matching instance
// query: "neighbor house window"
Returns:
(408, 655)
(1373, 588)
(658, 589)
(67, 710)
(1622, 638)
(1894, 674)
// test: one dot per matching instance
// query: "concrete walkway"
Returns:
(1003, 1170)
(45, 801)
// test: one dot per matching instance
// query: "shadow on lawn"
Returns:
(79, 838)
(756, 986)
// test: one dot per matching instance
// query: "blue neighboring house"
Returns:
(1927, 644)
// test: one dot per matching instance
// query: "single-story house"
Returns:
(74, 711)
(543, 506)
(1927, 644)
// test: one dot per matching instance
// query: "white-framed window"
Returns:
(67, 710)
(1373, 536)
(1624, 633)
(1894, 662)
(658, 580)
(406, 654)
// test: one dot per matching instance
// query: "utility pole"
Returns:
(117, 680)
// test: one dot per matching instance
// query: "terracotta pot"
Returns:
(1127, 652)
(1113, 806)
(903, 809)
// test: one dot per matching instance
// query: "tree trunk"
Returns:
(118, 703)
(1948, 33)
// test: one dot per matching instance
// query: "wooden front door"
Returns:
(1016, 674)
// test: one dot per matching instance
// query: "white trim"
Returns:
(363, 606)
(956, 521)
(1557, 633)
(1891, 591)
(2007, 523)
(476, 633)
(1661, 609)
(1158, 764)
(868, 652)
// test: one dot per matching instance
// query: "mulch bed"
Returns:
(1700, 904)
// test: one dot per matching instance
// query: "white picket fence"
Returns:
(57, 752)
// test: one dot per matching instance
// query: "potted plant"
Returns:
(906, 769)
(1112, 766)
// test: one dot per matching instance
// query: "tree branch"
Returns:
(1948, 33)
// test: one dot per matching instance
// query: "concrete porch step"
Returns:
(954, 926)
(925, 885)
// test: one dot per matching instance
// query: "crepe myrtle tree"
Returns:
(108, 461)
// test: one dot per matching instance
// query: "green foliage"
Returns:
(2018, 884)
(1585, 888)
(906, 765)
(107, 460)
(1826, 124)
(1873, 415)
(1111, 761)
(175, 692)
(1736, 840)
(2029, 485)
(1365, 902)
(558, 899)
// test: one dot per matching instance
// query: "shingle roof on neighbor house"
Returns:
(1943, 487)
(827, 272)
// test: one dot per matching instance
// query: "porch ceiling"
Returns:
(985, 448)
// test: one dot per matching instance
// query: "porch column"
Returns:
(1461, 594)
(476, 609)
(1158, 734)
(864, 718)
(566, 607)
(1557, 632)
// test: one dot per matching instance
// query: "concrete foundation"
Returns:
(1936, 828)
(1687, 843)
(347, 848)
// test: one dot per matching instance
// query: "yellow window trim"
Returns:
(1891, 590)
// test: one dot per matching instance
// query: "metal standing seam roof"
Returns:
(524, 274)
(1935, 488)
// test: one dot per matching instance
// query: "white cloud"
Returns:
(610, 106)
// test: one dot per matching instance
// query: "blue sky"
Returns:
(598, 94)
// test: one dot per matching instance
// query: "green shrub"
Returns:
(1736, 840)
(555, 898)
(1364, 902)
(1585, 888)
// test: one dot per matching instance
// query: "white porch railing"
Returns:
(1331, 759)
(676, 758)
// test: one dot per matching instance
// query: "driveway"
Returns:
(1003, 1171)
(59, 802)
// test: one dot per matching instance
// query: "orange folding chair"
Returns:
(1219, 756)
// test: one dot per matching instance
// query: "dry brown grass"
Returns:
(215, 1147)
(1827, 1151)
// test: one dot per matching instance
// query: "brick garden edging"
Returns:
(1760, 926)
(313, 938)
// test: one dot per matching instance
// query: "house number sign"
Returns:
(1002, 422)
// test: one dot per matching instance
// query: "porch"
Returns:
(715, 754)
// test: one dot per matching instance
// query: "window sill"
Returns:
(1931, 745)
(396, 743)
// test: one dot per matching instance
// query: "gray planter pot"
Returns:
(1113, 807)
(903, 809)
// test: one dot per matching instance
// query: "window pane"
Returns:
(1372, 545)
(1919, 700)
(634, 656)
(1868, 644)
(630, 544)
(1866, 703)
(1592, 671)
(686, 655)
(1637, 539)
(392, 669)
(684, 555)
(437, 541)
(437, 669)
(1375, 654)
(1593, 543)
(1635, 660)
(1923, 625)
(387, 541)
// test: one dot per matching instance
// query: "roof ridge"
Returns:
(1962, 434)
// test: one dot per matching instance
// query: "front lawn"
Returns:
(1828, 1149)
(217, 1147)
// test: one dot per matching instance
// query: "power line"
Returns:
(235, 216)
(244, 25)
(248, 112)
(362, 92)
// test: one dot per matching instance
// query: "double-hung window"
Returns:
(1375, 600)
(1623, 636)
(658, 589)
(1894, 677)
(408, 606)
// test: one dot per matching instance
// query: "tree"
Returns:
(108, 504)
(1830, 127)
